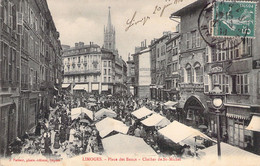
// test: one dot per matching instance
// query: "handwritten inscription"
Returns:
(158, 10)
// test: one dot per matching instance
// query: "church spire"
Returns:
(109, 24)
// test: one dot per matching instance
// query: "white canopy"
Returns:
(229, 153)
(106, 112)
(170, 103)
(75, 112)
(81, 87)
(254, 124)
(65, 85)
(142, 112)
(107, 125)
(156, 120)
(178, 132)
(121, 144)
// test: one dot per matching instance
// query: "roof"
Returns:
(142, 112)
(156, 120)
(107, 125)
(121, 144)
(189, 7)
(105, 112)
(75, 112)
(178, 132)
(230, 153)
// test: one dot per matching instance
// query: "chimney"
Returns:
(76, 45)
(90, 43)
(81, 44)
(145, 43)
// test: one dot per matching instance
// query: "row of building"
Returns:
(95, 69)
(185, 69)
(31, 66)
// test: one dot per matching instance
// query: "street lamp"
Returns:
(217, 103)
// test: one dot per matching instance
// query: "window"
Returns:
(189, 73)
(258, 82)
(109, 71)
(223, 81)
(182, 75)
(190, 115)
(105, 71)
(197, 39)
(95, 78)
(198, 73)
(109, 63)
(206, 84)
(193, 39)
(188, 42)
(242, 86)
(105, 79)
(105, 63)
(109, 79)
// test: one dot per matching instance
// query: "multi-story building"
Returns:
(142, 69)
(234, 70)
(158, 65)
(82, 67)
(172, 70)
(130, 75)
(29, 49)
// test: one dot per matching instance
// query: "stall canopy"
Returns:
(156, 120)
(108, 125)
(180, 133)
(75, 112)
(229, 152)
(254, 124)
(170, 103)
(142, 112)
(121, 144)
(81, 87)
(105, 112)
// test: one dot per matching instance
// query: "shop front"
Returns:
(238, 119)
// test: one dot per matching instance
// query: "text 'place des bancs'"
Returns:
(192, 93)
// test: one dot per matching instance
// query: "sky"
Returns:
(84, 20)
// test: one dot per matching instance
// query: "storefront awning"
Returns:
(236, 105)
(81, 87)
(254, 124)
(65, 85)
(237, 116)
(170, 103)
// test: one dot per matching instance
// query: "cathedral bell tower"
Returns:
(109, 35)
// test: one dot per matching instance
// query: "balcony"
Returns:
(82, 72)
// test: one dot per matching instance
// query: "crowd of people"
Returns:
(58, 135)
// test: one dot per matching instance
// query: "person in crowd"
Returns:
(137, 132)
(56, 144)
(38, 129)
(186, 151)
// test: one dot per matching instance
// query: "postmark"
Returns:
(207, 23)
(234, 18)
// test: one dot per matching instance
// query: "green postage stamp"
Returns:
(234, 19)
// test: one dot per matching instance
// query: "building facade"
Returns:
(130, 75)
(234, 70)
(82, 67)
(30, 47)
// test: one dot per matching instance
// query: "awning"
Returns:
(156, 120)
(170, 103)
(107, 125)
(127, 145)
(236, 105)
(65, 85)
(75, 112)
(238, 113)
(237, 116)
(142, 112)
(105, 112)
(178, 132)
(254, 124)
(95, 86)
(104, 87)
(229, 154)
(79, 87)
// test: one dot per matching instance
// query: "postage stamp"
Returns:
(234, 19)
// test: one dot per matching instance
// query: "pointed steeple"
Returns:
(109, 24)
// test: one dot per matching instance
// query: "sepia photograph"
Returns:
(129, 82)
